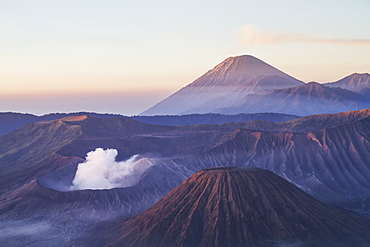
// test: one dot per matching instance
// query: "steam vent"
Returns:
(239, 207)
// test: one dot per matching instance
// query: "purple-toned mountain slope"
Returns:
(307, 99)
(227, 83)
(245, 84)
(237, 207)
(325, 155)
(10, 121)
(359, 83)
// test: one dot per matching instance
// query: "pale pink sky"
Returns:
(124, 56)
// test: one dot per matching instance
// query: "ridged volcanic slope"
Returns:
(239, 207)
(332, 164)
(327, 155)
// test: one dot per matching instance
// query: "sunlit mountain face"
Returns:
(224, 85)
(359, 83)
(245, 84)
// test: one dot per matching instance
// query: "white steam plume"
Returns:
(101, 171)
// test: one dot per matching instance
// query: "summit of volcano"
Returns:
(225, 84)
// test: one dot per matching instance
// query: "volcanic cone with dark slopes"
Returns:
(239, 207)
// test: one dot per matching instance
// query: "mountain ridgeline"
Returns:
(359, 83)
(245, 84)
(325, 155)
(308, 99)
(10, 121)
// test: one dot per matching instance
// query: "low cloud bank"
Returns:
(101, 171)
(22, 228)
(250, 35)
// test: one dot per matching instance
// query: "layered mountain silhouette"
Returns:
(325, 155)
(245, 84)
(359, 83)
(10, 121)
(237, 207)
(307, 99)
(225, 84)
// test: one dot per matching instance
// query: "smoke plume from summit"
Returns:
(101, 171)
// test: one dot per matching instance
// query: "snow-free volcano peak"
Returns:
(239, 207)
(224, 85)
(235, 71)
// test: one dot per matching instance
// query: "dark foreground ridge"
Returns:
(238, 207)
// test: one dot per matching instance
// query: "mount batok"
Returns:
(237, 207)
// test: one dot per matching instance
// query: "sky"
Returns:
(123, 56)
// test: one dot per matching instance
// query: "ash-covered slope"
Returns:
(307, 99)
(359, 83)
(37, 149)
(331, 164)
(237, 207)
(326, 155)
(225, 84)
(30, 152)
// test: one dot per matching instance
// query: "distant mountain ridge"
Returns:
(245, 84)
(308, 99)
(10, 121)
(229, 81)
(359, 83)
